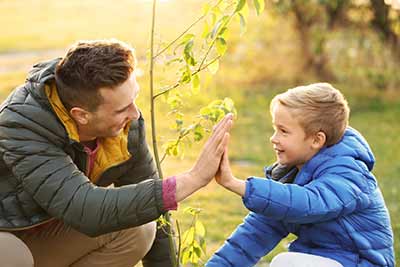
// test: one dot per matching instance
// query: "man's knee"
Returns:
(147, 235)
(141, 238)
(14, 252)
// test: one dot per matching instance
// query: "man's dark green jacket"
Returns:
(42, 167)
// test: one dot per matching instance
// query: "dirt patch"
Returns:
(22, 61)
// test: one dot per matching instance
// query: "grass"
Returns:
(258, 66)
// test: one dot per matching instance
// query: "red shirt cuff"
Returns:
(169, 193)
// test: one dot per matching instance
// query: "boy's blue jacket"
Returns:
(334, 207)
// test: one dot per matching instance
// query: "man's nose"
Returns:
(135, 114)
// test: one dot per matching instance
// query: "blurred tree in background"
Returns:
(316, 21)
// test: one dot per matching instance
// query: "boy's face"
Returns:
(289, 140)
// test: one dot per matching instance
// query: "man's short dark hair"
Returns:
(89, 66)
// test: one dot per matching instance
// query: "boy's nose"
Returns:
(272, 139)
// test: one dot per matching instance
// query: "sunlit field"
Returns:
(258, 64)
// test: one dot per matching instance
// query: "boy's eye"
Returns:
(284, 131)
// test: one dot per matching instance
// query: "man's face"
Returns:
(116, 110)
(291, 145)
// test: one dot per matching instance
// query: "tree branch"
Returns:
(171, 87)
(215, 39)
(184, 32)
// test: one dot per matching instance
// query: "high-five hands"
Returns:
(208, 161)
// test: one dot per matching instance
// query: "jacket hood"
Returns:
(351, 146)
(354, 145)
(43, 71)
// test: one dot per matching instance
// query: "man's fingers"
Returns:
(222, 129)
(223, 145)
(220, 124)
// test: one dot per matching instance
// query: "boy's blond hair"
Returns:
(318, 107)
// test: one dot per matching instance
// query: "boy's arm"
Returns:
(323, 199)
(253, 239)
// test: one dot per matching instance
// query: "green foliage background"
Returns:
(258, 64)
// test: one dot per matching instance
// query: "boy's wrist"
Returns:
(236, 185)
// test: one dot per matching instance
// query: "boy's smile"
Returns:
(291, 145)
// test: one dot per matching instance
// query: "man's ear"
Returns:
(319, 140)
(80, 115)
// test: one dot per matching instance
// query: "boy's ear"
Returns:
(79, 115)
(319, 140)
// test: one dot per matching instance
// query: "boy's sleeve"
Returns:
(253, 239)
(330, 196)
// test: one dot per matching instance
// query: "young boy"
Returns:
(321, 189)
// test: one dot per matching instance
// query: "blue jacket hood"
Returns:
(352, 146)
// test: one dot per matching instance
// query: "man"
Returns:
(72, 130)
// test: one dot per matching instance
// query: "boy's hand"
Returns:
(224, 174)
(225, 177)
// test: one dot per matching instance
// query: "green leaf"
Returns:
(187, 37)
(217, 27)
(243, 26)
(200, 230)
(192, 211)
(223, 30)
(245, 11)
(186, 76)
(213, 67)
(188, 55)
(197, 253)
(195, 83)
(188, 236)
(203, 244)
(205, 8)
(206, 31)
(179, 123)
(194, 257)
(186, 253)
(188, 47)
(240, 5)
(221, 46)
(229, 105)
(169, 62)
(175, 150)
(205, 111)
(198, 132)
(185, 40)
(174, 101)
(259, 5)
